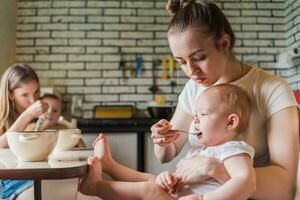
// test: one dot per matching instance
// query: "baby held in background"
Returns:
(50, 118)
(222, 114)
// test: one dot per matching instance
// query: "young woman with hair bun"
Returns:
(202, 42)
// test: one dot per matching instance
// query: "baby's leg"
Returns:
(118, 190)
(116, 170)
(138, 188)
(89, 184)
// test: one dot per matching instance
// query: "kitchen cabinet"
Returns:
(140, 126)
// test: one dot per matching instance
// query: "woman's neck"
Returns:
(234, 71)
(15, 114)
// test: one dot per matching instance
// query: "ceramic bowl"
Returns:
(67, 139)
(32, 145)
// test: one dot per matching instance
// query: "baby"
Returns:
(222, 113)
(51, 117)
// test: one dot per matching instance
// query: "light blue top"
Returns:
(12, 188)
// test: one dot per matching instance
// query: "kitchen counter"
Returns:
(140, 126)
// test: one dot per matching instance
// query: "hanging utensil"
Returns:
(131, 69)
(164, 72)
(154, 87)
(171, 67)
(138, 65)
(172, 73)
(122, 67)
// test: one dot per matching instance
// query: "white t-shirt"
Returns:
(268, 93)
(220, 152)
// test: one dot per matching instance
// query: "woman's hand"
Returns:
(168, 143)
(36, 109)
(162, 135)
(167, 181)
(199, 168)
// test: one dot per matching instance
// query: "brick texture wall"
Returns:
(89, 48)
(292, 27)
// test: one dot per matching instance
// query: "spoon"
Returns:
(176, 130)
(187, 132)
(39, 124)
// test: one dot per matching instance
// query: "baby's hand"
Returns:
(167, 181)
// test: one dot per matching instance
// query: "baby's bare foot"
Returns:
(88, 185)
(99, 146)
(102, 151)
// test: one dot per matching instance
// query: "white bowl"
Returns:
(32, 145)
(67, 139)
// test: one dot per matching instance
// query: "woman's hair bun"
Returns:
(173, 6)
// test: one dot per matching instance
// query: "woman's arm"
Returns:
(19, 125)
(198, 168)
(241, 185)
(278, 181)
(34, 110)
(181, 121)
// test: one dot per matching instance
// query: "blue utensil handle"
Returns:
(138, 65)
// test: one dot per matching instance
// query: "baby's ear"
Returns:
(233, 121)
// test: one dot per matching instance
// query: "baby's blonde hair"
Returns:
(53, 97)
(236, 101)
(50, 96)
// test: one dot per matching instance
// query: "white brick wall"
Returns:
(77, 46)
(292, 27)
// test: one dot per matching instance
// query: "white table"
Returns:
(60, 165)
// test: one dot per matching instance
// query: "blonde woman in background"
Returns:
(19, 106)
(19, 91)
